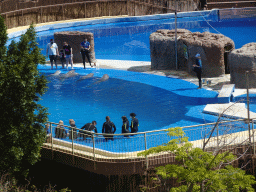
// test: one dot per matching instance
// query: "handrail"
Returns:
(153, 131)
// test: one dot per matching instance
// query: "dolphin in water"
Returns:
(56, 73)
(105, 77)
(71, 73)
(90, 75)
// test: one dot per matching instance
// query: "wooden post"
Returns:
(63, 12)
(41, 15)
(84, 9)
(22, 24)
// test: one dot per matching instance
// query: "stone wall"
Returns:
(210, 46)
(242, 60)
(74, 38)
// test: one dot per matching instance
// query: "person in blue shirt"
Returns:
(198, 69)
(85, 50)
(134, 123)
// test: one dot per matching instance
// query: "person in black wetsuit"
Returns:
(88, 127)
(125, 126)
(108, 128)
(134, 123)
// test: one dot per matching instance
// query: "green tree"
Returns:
(199, 170)
(22, 117)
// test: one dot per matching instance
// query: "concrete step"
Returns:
(225, 95)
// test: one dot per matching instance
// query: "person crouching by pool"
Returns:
(125, 126)
(72, 124)
(60, 131)
(108, 127)
(68, 54)
(134, 123)
(88, 127)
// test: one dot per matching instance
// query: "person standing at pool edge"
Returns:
(134, 123)
(85, 48)
(198, 69)
(125, 126)
(52, 51)
(108, 128)
(68, 54)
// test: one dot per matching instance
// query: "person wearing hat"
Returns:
(134, 123)
(198, 69)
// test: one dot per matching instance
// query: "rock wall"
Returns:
(74, 38)
(242, 60)
(210, 46)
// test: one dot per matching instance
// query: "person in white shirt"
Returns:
(52, 51)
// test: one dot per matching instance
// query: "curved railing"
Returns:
(98, 146)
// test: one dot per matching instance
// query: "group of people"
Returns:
(108, 128)
(66, 53)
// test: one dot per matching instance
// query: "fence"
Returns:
(89, 9)
(224, 135)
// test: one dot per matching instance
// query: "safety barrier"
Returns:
(125, 147)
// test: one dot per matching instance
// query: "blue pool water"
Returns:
(159, 102)
(129, 42)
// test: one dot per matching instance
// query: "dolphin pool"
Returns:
(159, 102)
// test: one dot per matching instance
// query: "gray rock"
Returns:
(242, 60)
(74, 39)
(210, 46)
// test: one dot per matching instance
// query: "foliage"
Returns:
(22, 118)
(8, 183)
(198, 170)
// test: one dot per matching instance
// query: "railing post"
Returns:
(145, 140)
(94, 151)
(248, 104)
(217, 136)
(253, 137)
(51, 139)
(72, 137)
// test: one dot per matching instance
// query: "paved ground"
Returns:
(145, 67)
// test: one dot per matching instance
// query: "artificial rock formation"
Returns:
(210, 46)
(242, 60)
(74, 39)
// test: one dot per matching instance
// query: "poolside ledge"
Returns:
(229, 110)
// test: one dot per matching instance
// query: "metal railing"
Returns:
(125, 147)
